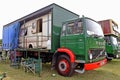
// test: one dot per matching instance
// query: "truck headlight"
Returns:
(90, 56)
(105, 54)
(117, 56)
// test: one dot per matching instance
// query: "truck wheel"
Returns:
(109, 59)
(64, 66)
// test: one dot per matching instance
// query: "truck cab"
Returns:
(111, 47)
(83, 41)
(110, 30)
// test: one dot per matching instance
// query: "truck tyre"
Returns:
(109, 59)
(64, 66)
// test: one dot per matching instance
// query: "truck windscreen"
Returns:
(114, 40)
(93, 28)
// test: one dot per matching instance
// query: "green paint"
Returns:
(81, 43)
(111, 45)
(59, 15)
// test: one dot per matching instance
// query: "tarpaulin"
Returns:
(10, 36)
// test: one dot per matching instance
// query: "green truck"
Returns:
(110, 30)
(70, 43)
(82, 46)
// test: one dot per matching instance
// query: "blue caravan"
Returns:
(10, 36)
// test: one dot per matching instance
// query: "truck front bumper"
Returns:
(91, 66)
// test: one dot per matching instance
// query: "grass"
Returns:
(111, 71)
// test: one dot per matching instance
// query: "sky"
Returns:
(11, 10)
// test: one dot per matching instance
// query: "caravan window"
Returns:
(33, 25)
(23, 32)
(39, 25)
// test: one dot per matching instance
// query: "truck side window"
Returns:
(74, 28)
(79, 27)
(39, 25)
(64, 30)
(70, 28)
(107, 39)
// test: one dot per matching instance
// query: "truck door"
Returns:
(108, 44)
(73, 38)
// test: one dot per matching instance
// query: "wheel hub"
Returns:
(62, 66)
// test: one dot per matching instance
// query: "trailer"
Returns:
(57, 35)
(110, 30)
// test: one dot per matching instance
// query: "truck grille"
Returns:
(97, 53)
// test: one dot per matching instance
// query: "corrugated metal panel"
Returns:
(59, 16)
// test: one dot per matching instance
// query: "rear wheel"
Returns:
(109, 59)
(64, 66)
